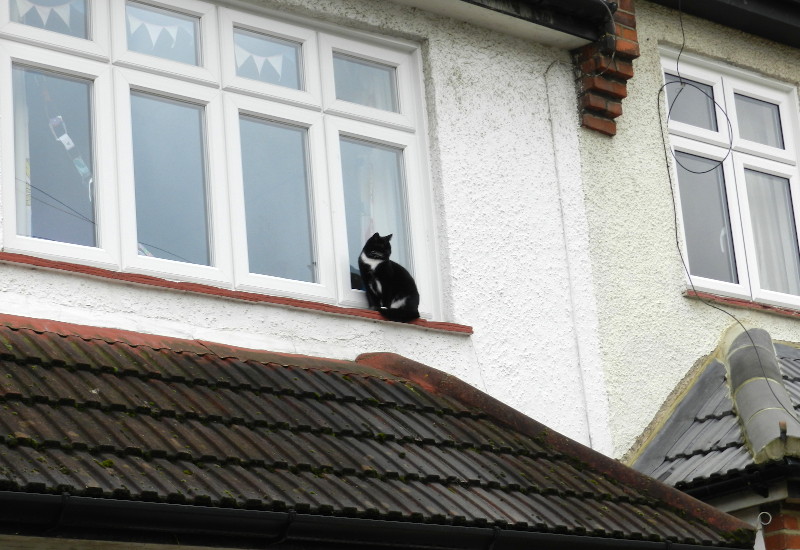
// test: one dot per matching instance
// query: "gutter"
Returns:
(32, 514)
(581, 18)
(565, 24)
(757, 481)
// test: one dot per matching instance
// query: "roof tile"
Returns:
(108, 415)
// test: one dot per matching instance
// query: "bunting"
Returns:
(153, 30)
(60, 11)
(242, 56)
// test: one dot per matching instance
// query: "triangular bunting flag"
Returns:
(277, 63)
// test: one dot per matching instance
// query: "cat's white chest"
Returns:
(371, 262)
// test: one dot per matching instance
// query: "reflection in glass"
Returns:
(759, 121)
(266, 58)
(374, 194)
(365, 82)
(774, 231)
(170, 180)
(706, 222)
(53, 157)
(277, 200)
(61, 16)
(163, 33)
(691, 102)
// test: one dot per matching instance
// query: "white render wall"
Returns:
(512, 244)
(651, 335)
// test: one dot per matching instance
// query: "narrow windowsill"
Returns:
(742, 303)
(197, 288)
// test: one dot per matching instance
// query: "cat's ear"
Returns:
(375, 236)
(388, 237)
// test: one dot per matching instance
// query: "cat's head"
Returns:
(378, 248)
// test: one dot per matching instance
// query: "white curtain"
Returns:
(774, 231)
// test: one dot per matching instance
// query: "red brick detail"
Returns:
(605, 64)
(627, 19)
(627, 48)
(601, 124)
(626, 32)
(742, 303)
(783, 521)
(604, 85)
(595, 102)
(625, 5)
(782, 541)
(605, 67)
(197, 288)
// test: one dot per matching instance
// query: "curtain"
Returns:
(774, 231)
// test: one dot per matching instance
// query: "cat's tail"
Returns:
(402, 315)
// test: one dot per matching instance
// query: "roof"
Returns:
(121, 419)
(738, 416)
(777, 20)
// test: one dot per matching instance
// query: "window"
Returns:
(737, 179)
(196, 142)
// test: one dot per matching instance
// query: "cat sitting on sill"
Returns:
(390, 288)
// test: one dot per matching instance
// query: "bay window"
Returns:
(733, 136)
(195, 142)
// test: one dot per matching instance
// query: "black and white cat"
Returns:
(390, 288)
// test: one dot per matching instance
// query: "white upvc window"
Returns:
(734, 142)
(194, 142)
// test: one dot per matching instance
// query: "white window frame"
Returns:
(205, 73)
(223, 96)
(415, 218)
(723, 135)
(309, 96)
(788, 113)
(710, 152)
(220, 270)
(737, 154)
(325, 288)
(97, 46)
(106, 254)
(402, 62)
(766, 166)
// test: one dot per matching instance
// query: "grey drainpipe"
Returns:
(50, 515)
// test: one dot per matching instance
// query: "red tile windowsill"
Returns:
(198, 288)
(742, 303)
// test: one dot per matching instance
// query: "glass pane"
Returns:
(774, 231)
(169, 171)
(62, 16)
(366, 83)
(691, 102)
(53, 153)
(759, 121)
(706, 222)
(163, 33)
(374, 194)
(277, 200)
(267, 59)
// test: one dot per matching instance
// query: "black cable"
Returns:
(667, 151)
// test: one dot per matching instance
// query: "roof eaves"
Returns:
(78, 517)
(777, 20)
(439, 382)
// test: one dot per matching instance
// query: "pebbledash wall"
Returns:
(512, 245)
(650, 334)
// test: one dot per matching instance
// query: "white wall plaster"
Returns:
(650, 335)
(512, 239)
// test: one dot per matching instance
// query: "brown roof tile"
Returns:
(117, 415)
